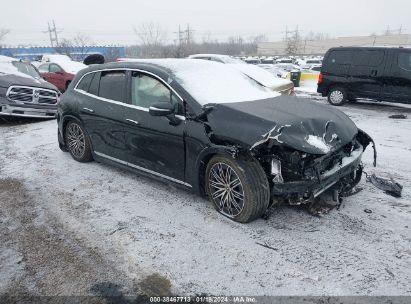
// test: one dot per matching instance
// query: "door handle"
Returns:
(88, 110)
(133, 121)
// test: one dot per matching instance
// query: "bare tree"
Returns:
(3, 34)
(82, 44)
(152, 38)
(65, 47)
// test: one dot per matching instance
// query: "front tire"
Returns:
(77, 142)
(337, 96)
(238, 188)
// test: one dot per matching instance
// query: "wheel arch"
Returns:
(64, 121)
(202, 161)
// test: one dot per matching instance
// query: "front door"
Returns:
(57, 76)
(154, 143)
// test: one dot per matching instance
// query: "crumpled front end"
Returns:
(299, 176)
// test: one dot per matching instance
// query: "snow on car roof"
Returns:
(65, 62)
(212, 82)
(7, 67)
(6, 59)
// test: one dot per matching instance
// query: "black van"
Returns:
(376, 73)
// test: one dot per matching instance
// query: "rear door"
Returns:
(337, 66)
(398, 78)
(101, 110)
(366, 72)
(154, 143)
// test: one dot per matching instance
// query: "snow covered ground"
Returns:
(73, 228)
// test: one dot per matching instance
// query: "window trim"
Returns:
(122, 103)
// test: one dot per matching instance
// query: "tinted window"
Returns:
(404, 60)
(340, 57)
(54, 68)
(94, 85)
(146, 91)
(368, 58)
(85, 82)
(112, 85)
(44, 68)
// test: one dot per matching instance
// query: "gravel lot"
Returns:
(68, 228)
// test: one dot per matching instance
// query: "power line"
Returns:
(53, 33)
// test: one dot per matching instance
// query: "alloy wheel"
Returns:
(336, 96)
(75, 140)
(226, 189)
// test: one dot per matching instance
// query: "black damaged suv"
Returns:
(382, 74)
(210, 128)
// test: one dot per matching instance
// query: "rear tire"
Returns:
(337, 96)
(238, 188)
(77, 142)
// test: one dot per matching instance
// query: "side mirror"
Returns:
(161, 109)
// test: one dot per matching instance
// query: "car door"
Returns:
(398, 78)
(101, 110)
(366, 73)
(154, 143)
(57, 76)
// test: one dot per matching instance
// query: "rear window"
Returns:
(112, 85)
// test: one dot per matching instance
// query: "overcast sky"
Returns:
(112, 22)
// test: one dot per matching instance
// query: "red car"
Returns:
(60, 74)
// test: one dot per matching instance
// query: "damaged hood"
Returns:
(285, 120)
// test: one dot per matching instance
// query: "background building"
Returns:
(319, 47)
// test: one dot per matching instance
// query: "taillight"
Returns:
(320, 79)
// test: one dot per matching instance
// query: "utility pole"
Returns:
(53, 33)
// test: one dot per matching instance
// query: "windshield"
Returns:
(228, 84)
(231, 60)
(26, 68)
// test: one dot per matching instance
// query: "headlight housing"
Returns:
(276, 171)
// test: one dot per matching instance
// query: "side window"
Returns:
(368, 58)
(94, 84)
(404, 60)
(113, 85)
(44, 68)
(54, 68)
(147, 90)
(340, 57)
(375, 58)
(84, 83)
